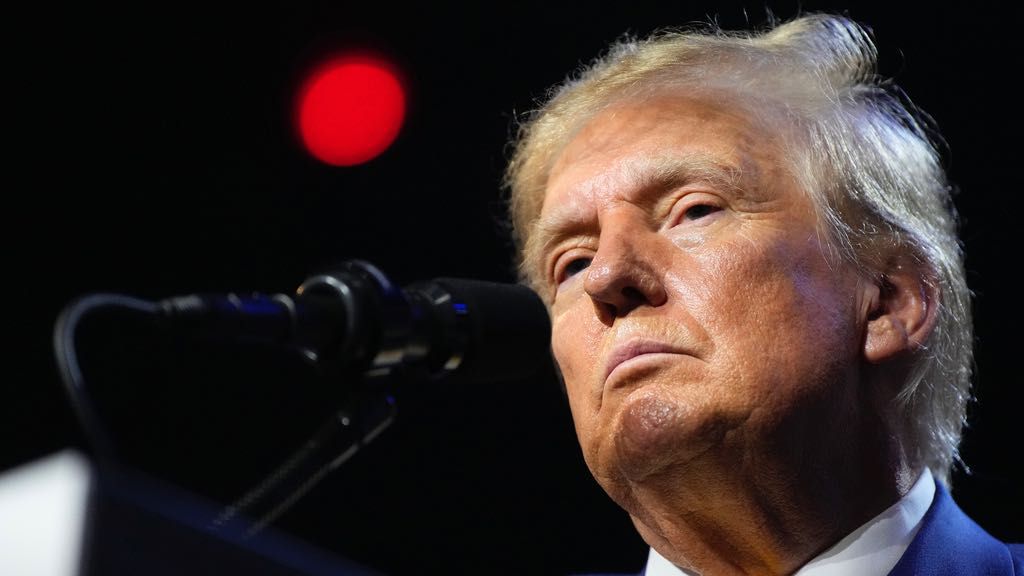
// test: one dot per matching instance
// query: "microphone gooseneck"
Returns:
(353, 322)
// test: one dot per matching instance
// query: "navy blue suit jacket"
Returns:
(951, 544)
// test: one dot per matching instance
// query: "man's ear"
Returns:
(902, 313)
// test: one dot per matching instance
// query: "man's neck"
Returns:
(873, 548)
(747, 528)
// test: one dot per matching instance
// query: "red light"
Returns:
(350, 110)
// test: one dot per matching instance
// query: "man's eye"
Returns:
(575, 266)
(698, 211)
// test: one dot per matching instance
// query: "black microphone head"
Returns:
(506, 326)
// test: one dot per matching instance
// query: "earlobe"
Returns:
(903, 313)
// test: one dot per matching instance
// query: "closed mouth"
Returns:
(635, 348)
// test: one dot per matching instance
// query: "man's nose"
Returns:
(624, 273)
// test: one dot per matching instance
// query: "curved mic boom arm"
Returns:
(353, 321)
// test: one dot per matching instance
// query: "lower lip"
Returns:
(638, 362)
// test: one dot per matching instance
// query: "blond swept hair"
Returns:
(867, 158)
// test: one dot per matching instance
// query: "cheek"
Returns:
(575, 346)
(778, 316)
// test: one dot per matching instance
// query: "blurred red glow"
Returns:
(350, 109)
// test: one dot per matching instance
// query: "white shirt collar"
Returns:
(874, 548)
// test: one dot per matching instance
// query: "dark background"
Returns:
(153, 156)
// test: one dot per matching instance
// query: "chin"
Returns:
(653, 431)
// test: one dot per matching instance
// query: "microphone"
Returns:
(354, 315)
(349, 320)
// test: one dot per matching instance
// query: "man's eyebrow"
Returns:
(645, 178)
(660, 173)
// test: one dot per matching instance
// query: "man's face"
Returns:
(697, 320)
